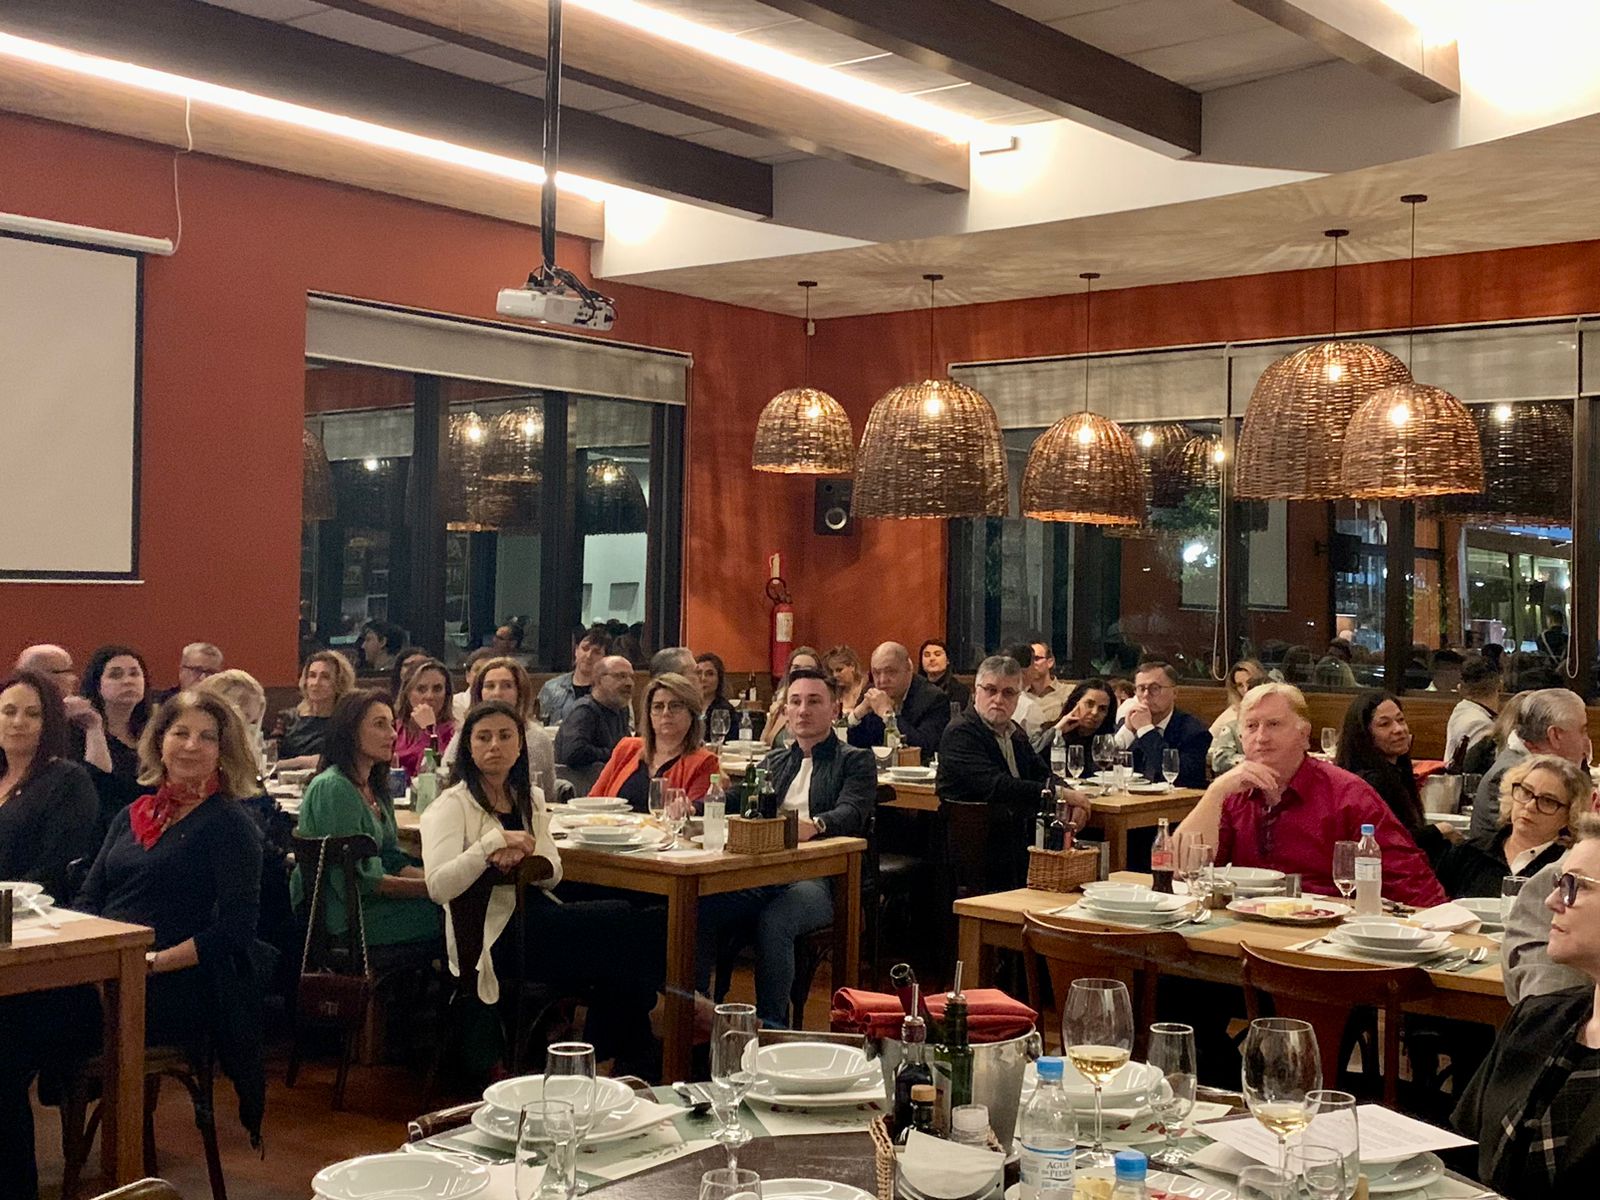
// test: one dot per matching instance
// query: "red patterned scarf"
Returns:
(150, 815)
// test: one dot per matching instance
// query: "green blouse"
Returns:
(333, 807)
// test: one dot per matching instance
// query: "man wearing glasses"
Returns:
(87, 735)
(1154, 724)
(598, 721)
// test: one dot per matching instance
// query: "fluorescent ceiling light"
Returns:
(813, 76)
(250, 104)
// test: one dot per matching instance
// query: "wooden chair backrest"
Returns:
(327, 951)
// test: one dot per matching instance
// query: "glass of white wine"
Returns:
(1344, 867)
(1282, 1067)
(1330, 740)
(1097, 1030)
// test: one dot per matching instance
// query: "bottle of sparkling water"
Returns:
(1369, 874)
(1049, 1136)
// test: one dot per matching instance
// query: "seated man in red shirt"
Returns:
(1282, 809)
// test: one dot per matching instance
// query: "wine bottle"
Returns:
(1056, 838)
(1041, 822)
(957, 1048)
(914, 1070)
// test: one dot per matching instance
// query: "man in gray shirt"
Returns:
(1552, 721)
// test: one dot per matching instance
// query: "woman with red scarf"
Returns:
(185, 860)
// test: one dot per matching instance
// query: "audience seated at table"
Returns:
(1472, 719)
(1152, 724)
(1049, 693)
(325, 679)
(1525, 965)
(844, 664)
(350, 795)
(197, 662)
(1028, 714)
(1282, 809)
(117, 683)
(471, 665)
(1085, 715)
(1538, 798)
(557, 697)
(774, 732)
(597, 722)
(712, 677)
(49, 812)
(422, 714)
(833, 787)
(404, 662)
(921, 710)
(672, 660)
(488, 827)
(185, 860)
(985, 758)
(1375, 743)
(933, 664)
(379, 645)
(1226, 752)
(1481, 754)
(503, 679)
(1550, 721)
(1534, 1105)
(672, 748)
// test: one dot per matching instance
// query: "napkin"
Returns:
(992, 1016)
(1448, 918)
(944, 1170)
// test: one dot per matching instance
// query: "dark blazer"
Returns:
(589, 733)
(1476, 866)
(973, 771)
(844, 783)
(923, 715)
(1192, 739)
(1537, 1027)
(50, 820)
(955, 691)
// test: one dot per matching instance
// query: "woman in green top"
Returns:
(351, 795)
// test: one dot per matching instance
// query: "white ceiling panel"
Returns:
(729, 16)
(474, 64)
(1150, 24)
(581, 95)
(1217, 62)
(271, 10)
(734, 142)
(360, 31)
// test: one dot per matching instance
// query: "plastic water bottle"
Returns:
(1369, 874)
(1131, 1167)
(714, 827)
(1049, 1136)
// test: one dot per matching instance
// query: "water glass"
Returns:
(1330, 740)
(714, 826)
(676, 812)
(1172, 1052)
(719, 726)
(569, 1075)
(733, 1070)
(1195, 860)
(1124, 770)
(1344, 867)
(657, 801)
(1075, 763)
(1320, 1168)
(546, 1164)
(269, 757)
(1170, 764)
(1335, 1126)
(1265, 1183)
(730, 1183)
(1510, 889)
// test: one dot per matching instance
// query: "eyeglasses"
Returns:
(989, 689)
(1151, 689)
(1548, 805)
(1569, 884)
(676, 707)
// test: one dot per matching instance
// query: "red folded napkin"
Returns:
(992, 1016)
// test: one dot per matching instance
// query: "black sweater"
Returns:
(51, 820)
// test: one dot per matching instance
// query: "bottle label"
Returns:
(1047, 1173)
(1369, 870)
(1162, 860)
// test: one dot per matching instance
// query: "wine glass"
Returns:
(1334, 1126)
(676, 812)
(1510, 889)
(1075, 763)
(1282, 1067)
(656, 803)
(730, 1183)
(1170, 764)
(1330, 740)
(546, 1161)
(719, 726)
(1265, 1183)
(1344, 867)
(1097, 1030)
(1172, 1053)
(269, 758)
(733, 1070)
(1105, 751)
(1320, 1169)
(569, 1076)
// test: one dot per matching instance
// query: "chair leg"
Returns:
(152, 1097)
(347, 1052)
(77, 1134)
(201, 1090)
(293, 1071)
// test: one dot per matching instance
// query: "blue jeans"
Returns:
(781, 914)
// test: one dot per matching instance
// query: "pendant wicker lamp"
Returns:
(932, 449)
(316, 488)
(1527, 467)
(1410, 439)
(804, 431)
(1291, 445)
(1085, 468)
(473, 502)
(613, 501)
(513, 448)
(1196, 466)
(1155, 443)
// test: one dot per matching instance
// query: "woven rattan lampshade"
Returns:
(1196, 466)
(1411, 440)
(931, 449)
(316, 488)
(1527, 467)
(1154, 443)
(472, 502)
(613, 501)
(513, 450)
(1084, 469)
(1293, 437)
(803, 431)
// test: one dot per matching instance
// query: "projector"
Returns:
(557, 304)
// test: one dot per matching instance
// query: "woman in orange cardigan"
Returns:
(670, 749)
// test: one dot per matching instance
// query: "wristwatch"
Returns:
(821, 827)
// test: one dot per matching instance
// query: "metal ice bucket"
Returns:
(997, 1074)
(1441, 793)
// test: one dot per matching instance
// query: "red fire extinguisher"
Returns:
(782, 616)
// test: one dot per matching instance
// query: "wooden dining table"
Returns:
(994, 921)
(94, 950)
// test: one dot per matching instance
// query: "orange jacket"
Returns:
(692, 772)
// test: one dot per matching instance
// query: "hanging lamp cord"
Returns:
(933, 283)
(1088, 341)
(805, 373)
(1411, 320)
(1335, 285)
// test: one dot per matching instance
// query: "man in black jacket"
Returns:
(833, 787)
(1153, 725)
(985, 758)
(921, 710)
(597, 722)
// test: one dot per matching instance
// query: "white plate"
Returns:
(639, 839)
(511, 1094)
(1154, 902)
(1146, 788)
(597, 804)
(810, 1189)
(1387, 935)
(1406, 954)
(753, 746)
(911, 774)
(606, 835)
(813, 1066)
(1129, 1087)
(400, 1176)
(1486, 908)
(1251, 877)
(1090, 909)
(500, 1125)
(866, 1092)
(22, 890)
(1407, 1176)
(1105, 887)
(1257, 908)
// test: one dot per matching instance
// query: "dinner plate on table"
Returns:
(500, 1125)
(1089, 908)
(24, 891)
(865, 1092)
(811, 1189)
(1302, 910)
(598, 804)
(814, 1067)
(1144, 787)
(1487, 909)
(401, 1176)
(1164, 1181)
(1129, 1088)
(610, 1095)
(1411, 954)
(641, 839)
(1406, 1176)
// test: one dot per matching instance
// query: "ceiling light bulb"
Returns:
(530, 427)
(1502, 413)
(934, 404)
(1147, 438)
(1085, 434)
(1400, 415)
(1335, 372)
(370, 464)
(813, 411)
(1218, 455)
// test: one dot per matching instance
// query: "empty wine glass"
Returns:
(733, 1070)
(1265, 1183)
(656, 800)
(269, 758)
(1075, 763)
(1172, 1053)
(1330, 740)
(1097, 1030)
(1281, 1068)
(546, 1162)
(730, 1183)
(719, 726)
(569, 1075)
(1105, 751)
(1170, 764)
(677, 812)
(1334, 1125)
(1344, 867)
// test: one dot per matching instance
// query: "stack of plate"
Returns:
(598, 804)
(815, 1075)
(1489, 910)
(503, 1101)
(1129, 1089)
(1389, 939)
(1132, 904)
(401, 1177)
(1252, 881)
(911, 774)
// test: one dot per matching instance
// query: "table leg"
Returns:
(122, 1125)
(847, 925)
(683, 919)
(978, 959)
(1116, 831)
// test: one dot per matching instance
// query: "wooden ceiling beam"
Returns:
(1373, 36)
(609, 54)
(998, 48)
(212, 44)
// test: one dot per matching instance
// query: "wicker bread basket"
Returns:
(1061, 870)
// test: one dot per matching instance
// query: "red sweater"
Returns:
(692, 772)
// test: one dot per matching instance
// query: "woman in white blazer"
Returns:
(485, 829)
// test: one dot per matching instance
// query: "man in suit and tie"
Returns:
(1153, 724)
(920, 709)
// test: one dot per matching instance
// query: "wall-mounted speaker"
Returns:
(831, 514)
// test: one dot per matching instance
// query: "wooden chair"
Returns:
(143, 1189)
(1072, 949)
(1327, 998)
(441, 1121)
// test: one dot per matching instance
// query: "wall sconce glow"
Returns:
(253, 105)
(1502, 413)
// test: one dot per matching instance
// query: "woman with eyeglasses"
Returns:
(1536, 801)
(1534, 1105)
(670, 749)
